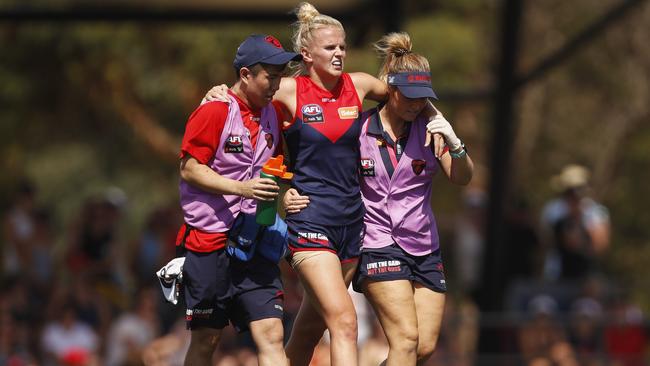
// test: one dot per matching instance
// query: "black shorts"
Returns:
(393, 263)
(344, 241)
(220, 290)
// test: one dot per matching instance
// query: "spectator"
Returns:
(575, 227)
(562, 354)
(133, 330)
(156, 243)
(19, 231)
(522, 243)
(625, 334)
(586, 329)
(169, 349)
(542, 331)
(94, 241)
(68, 338)
(470, 240)
(459, 335)
(41, 268)
(14, 338)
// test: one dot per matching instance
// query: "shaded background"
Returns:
(94, 98)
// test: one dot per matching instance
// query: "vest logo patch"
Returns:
(418, 166)
(349, 112)
(269, 140)
(234, 144)
(312, 113)
(367, 167)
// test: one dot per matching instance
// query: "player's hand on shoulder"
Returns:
(439, 124)
(438, 143)
(218, 93)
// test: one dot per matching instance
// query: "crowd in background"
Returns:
(97, 301)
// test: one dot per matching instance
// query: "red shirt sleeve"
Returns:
(203, 131)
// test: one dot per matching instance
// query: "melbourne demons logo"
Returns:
(234, 144)
(440, 267)
(312, 113)
(367, 167)
(418, 166)
(272, 40)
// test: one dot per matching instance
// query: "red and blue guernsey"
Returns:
(323, 143)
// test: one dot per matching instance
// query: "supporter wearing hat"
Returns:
(574, 226)
(572, 176)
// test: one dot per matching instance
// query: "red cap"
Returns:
(75, 357)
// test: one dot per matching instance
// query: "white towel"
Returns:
(170, 277)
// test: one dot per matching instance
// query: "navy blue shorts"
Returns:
(220, 290)
(393, 263)
(344, 241)
(256, 291)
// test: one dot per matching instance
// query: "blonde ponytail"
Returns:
(395, 49)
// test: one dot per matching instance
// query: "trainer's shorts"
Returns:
(256, 288)
(220, 290)
(393, 263)
(206, 283)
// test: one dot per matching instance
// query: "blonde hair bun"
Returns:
(306, 12)
(395, 49)
(398, 44)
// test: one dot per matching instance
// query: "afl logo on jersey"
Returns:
(234, 144)
(312, 113)
(418, 166)
(367, 167)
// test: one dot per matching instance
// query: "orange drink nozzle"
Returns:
(275, 167)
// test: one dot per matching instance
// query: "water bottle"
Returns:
(266, 210)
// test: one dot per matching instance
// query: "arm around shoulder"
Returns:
(369, 87)
(286, 94)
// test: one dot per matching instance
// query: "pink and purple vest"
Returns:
(398, 209)
(234, 159)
